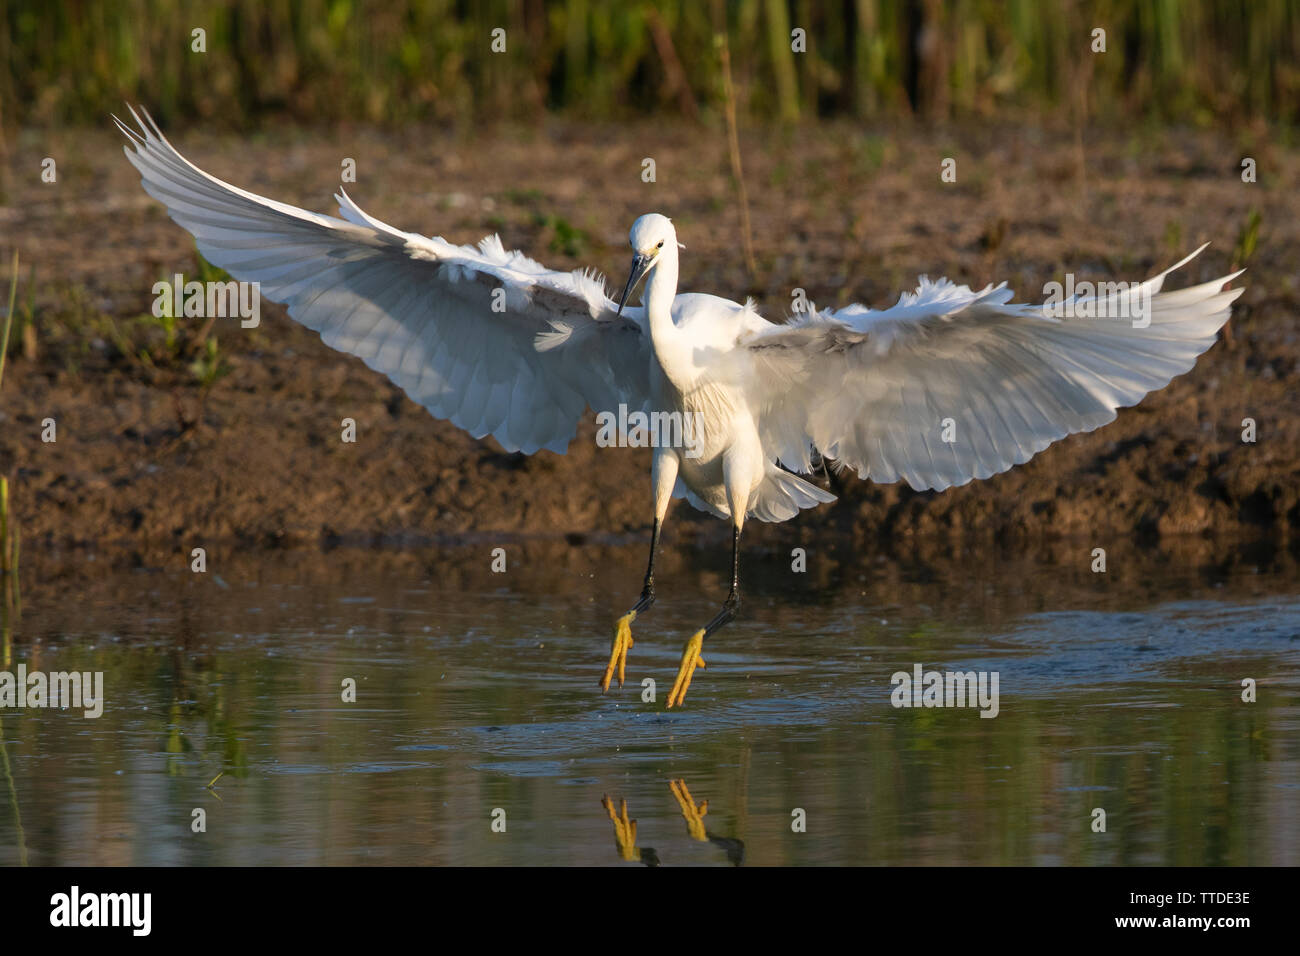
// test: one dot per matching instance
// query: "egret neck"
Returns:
(670, 345)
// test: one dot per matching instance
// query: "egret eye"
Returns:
(661, 244)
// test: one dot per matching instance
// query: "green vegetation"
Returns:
(9, 536)
(566, 238)
(161, 350)
(315, 60)
(210, 365)
(9, 318)
(8, 533)
(1247, 239)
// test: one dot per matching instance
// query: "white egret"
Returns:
(948, 385)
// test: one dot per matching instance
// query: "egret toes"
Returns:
(690, 660)
(618, 651)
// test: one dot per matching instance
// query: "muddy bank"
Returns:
(154, 454)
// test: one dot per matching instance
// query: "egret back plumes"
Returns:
(948, 385)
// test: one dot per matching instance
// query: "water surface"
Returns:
(476, 702)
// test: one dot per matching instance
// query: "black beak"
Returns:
(640, 266)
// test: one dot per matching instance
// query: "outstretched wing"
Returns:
(488, 339)
(950, 384)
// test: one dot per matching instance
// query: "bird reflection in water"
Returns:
(625, 835)
(625, 828)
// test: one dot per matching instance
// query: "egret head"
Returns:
(651, 236)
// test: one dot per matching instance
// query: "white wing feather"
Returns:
(872, 389)
(417, 309)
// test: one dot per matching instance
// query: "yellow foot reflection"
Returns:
(690, 660)
(624, 829)
(618, 650)
(693, 815)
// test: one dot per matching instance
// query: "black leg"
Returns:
(623, 627)
(691, 653)
(648, 590)
(731, 605)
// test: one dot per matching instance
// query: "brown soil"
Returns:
(144, 460)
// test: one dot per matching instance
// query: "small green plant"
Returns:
(27, 331)
(9, 318)
(166, 322)
(210, 366)
(1242, 250)
(1174, 236)
(566, 238)
(8, 533)
(168, 340)
(1247, 239)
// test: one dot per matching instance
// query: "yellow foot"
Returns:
(693, 815)
(690, 659)
(618, 651)
(624, 829)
